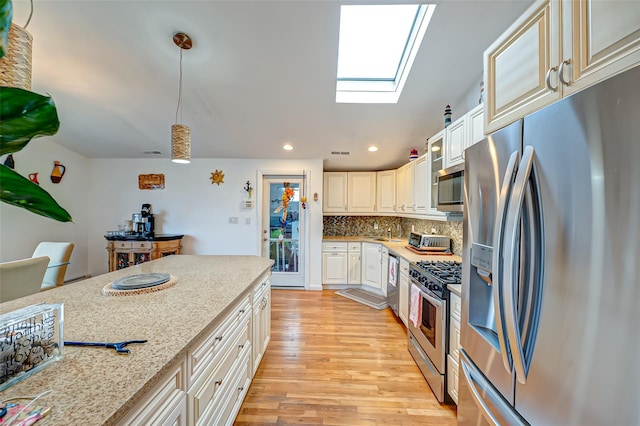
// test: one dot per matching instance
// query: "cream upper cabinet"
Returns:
(556, 48)
(386, 191)
(599, 39)
(334, 197)
(361, 192)
(420, 195)
(435, 146)
(515, 66)
(404, 193)
(475, 124)
(455, 142)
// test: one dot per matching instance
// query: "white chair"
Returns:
(21, 277)
(59, 253)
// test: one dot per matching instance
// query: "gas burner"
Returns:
(436, 275)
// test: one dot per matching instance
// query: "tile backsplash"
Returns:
(364, 226)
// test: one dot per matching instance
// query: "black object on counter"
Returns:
(118, 346)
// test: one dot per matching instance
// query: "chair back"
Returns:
(59, 253)
(21, 277)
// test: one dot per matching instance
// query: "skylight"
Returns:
(378, 44)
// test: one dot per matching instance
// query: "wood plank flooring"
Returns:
(333, 361)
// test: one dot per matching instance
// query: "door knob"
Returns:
(265, 239)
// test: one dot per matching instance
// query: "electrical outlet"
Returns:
(433, 230)
(247, 220)
(233, 220)
(375, 225)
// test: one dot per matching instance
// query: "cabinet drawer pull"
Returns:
(241, 346)
(561, 72)
(219, 382)
(548, 79)
(219, 338)
(241, 388)
(241, 311)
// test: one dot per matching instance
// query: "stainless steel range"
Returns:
(429, 319)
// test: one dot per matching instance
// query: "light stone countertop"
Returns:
(398, 247)
(96, 386)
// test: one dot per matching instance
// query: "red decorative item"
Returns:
(33, 177)
(414, 154)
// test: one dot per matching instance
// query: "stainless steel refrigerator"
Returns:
(550, 329)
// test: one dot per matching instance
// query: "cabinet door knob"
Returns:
(548, 79)
(561, 72)
(219, 338)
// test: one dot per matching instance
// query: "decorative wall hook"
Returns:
(248, 188)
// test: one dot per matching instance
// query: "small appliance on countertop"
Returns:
(423, 243)
(144, 222)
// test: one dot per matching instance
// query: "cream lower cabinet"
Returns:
(372, 265)
(208, 386)
(335, 263)
(453, 357)
(554, 49)
(261, 323)
(403, 291)
(354, 263)
(165, 404)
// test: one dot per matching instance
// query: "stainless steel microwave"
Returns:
(451, 189)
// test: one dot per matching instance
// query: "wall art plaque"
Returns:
(153, 181)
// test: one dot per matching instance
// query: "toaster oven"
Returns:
(429, 242)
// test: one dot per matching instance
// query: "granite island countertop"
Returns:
(96, 386)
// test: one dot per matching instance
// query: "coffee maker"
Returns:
(144, 222)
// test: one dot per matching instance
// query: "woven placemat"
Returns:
(108, 290)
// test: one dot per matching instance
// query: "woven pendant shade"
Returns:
(15, 66)
(180, 143)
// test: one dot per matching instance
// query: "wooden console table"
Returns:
(131, 250)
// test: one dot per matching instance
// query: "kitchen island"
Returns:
(183, 325)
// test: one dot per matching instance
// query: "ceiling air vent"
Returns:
(339, 152)
(152, 152)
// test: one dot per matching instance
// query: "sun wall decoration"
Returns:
(217, 177)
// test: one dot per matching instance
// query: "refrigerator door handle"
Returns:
(496, 269)
(513, 219)
(493, 407)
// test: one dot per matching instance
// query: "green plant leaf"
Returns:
(21, 192)
(24, 115)
(6, 13)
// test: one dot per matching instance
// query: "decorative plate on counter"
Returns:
(134, 282)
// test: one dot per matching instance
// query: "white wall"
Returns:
(21, 230)
(191, 205)
(101, 193)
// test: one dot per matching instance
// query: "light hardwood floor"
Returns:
(332, 361)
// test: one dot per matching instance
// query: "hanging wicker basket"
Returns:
(15, 66)
(180, 143)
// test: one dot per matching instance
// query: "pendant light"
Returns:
(15, 66)
(180, 133)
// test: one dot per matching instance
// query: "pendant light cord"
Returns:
(178, 107)
(30, 15)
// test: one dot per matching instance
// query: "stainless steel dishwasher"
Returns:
(392, 283)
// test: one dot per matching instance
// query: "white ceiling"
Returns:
(261, 73)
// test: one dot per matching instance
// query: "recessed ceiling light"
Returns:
(287, 147)
(373, 148)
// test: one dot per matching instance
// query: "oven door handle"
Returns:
(430, 298)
